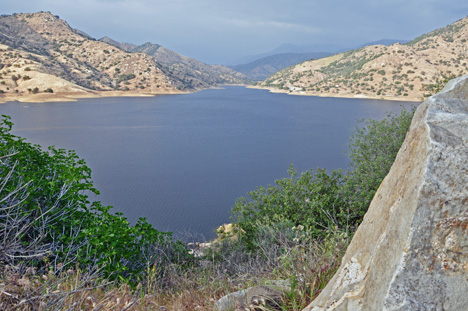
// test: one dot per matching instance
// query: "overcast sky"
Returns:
(219, 31)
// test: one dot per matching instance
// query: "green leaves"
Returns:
(57, 184)
(323, 202)
(372, 150)
(310, 200)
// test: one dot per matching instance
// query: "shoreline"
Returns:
(358, 96)
(74, 96)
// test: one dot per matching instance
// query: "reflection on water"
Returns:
(182, 160)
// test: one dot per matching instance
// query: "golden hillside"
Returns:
(408, 71)
(41, 53)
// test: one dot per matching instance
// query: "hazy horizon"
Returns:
(218, 32)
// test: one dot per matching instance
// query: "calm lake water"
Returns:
(182, 160)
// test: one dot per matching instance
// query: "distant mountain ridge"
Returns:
(288, 48)
(288, 55)
(409, 71)
(262, 68)
(41, 53)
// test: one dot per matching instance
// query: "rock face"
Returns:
(411, 251)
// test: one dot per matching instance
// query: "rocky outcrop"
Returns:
(411, 250)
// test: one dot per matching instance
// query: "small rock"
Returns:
(255, 298)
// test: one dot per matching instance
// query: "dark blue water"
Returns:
(182, 160)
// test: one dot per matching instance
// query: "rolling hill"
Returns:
(409, 71)
(188, 72)
(287, 55)
(41, 54)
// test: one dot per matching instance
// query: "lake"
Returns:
(182, 160)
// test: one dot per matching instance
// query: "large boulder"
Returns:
(411, 250)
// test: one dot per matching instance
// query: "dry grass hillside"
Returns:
(190, 72)
(41, 53)
(408, 71)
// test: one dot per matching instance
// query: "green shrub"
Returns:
(310, 200)
(56, 183)
(372, 151)
(322, 202)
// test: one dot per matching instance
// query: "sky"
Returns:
(221, 31)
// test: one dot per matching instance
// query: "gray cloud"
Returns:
(219, 30)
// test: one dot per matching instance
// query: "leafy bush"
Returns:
(372, 151)
(311, 200)
(320, 201)
(48, 193)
